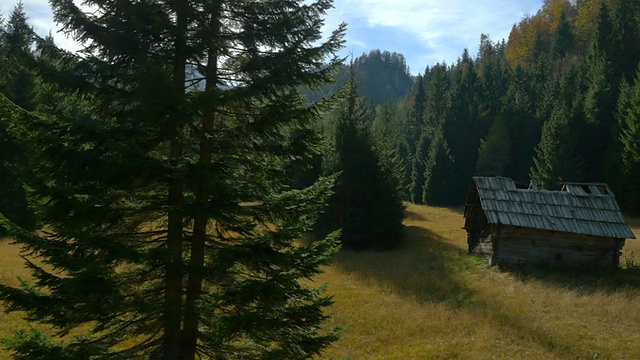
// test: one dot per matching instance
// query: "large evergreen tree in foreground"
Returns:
(17, 83)
(167, 227)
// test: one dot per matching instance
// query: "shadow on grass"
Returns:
(430, 269)
(427, 268)
(413, 216)
(424, 267)
(585, 280)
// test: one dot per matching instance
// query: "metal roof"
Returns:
(589, 209)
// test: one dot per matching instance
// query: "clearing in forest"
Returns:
(430, 300)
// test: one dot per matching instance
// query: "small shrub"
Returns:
(630, 262)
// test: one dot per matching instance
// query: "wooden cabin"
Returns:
(512, 225)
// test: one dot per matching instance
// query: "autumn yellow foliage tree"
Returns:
(534, 33)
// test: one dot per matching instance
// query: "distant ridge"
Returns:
(382, 76)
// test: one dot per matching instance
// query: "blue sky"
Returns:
(424, 31)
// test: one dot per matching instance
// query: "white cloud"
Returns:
(439, 26)
(425, 31)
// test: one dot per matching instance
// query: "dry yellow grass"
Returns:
(429, 300)
(631, 251)
(11, 268)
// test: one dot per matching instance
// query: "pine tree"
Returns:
(165, 208)
(17, 81)
(414, 134)
(523, 126)
(559, 156)
(495, 150)
(388, 140)
(439, 166)
(563, 39)
(600, 101)
(628, 114)
(463, 128)
(366, 206)
(436, 110)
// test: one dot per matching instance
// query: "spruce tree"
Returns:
(563, 39)
(463, 128)
(495, 150)
(436, 110)
(367, 205)
(559, 154)
(558, 158)
(523, 126)
(600, 101)
(167, 224)
(493, 79)
(628, 113)
(439, 166)
(415, 127)
(625, 38)
(419, 165)
(388, 140)
(17, 82)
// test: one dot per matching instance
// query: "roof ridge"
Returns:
(565, 211)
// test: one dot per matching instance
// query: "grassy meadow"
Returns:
(11, 267)
(429, 300)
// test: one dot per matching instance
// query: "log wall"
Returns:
(515, 246)
(478, 231)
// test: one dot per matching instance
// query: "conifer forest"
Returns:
(175, 183)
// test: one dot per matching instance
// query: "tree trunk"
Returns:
(173, 277)
(199, 239)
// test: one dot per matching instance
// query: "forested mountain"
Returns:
(381, 76)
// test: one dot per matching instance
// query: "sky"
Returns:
(424, 31)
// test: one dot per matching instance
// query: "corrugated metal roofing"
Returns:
(571, 210)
